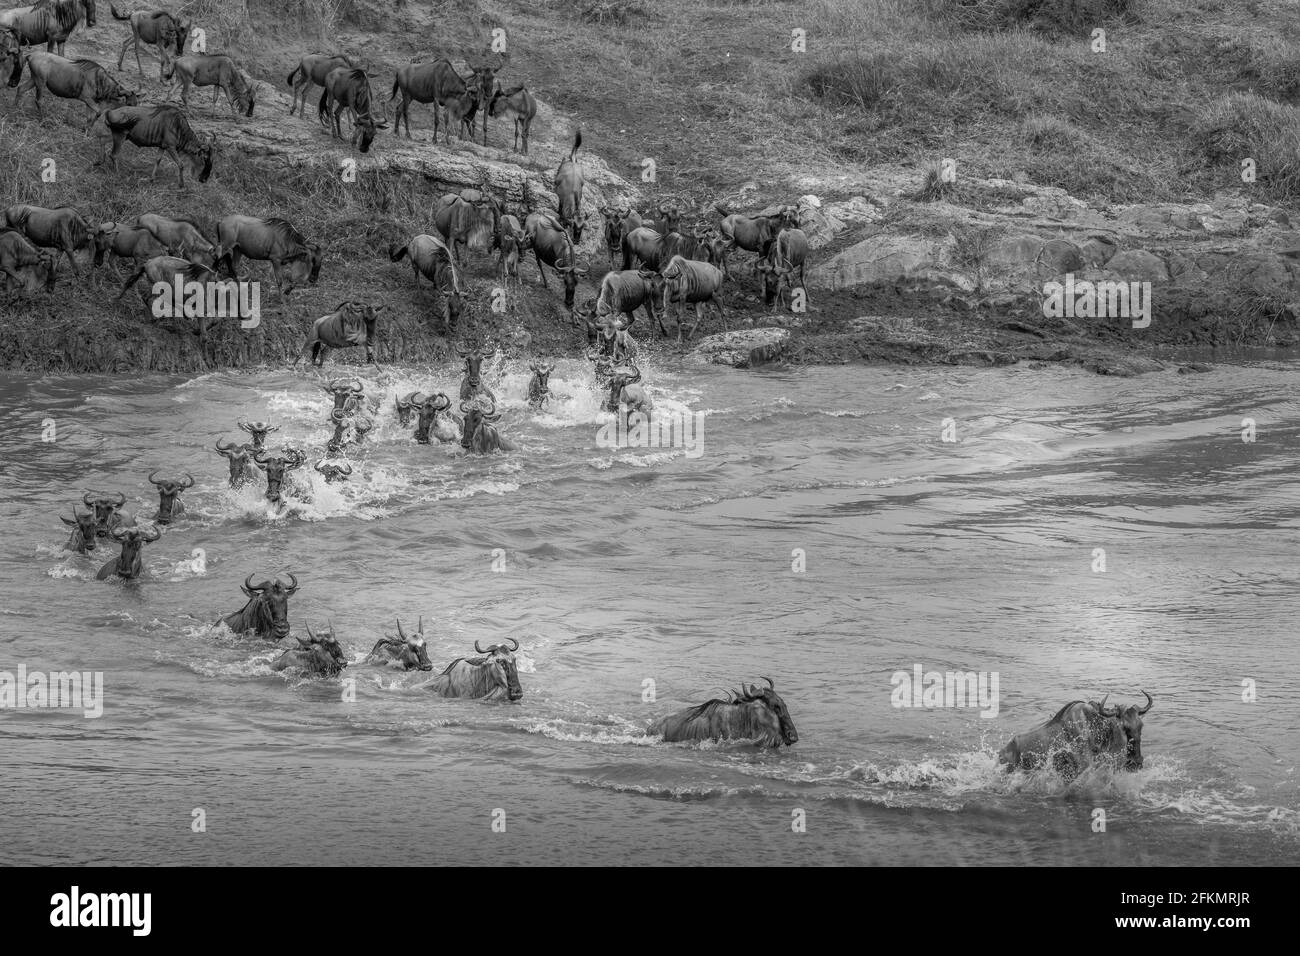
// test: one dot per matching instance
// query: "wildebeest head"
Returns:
(168, 491)
(239, 458)
(1129, 721)
(539, 389)
(777, 713)
(84, 523)
(102, 238)
(200, 155)
(620, 377)
(245, 95)
(276, 468)
(406, 405)
(361, 426)
(613, 225)
(500, 661)
(570, 273)
(334, 471)
(413, 654)
(274, 598)
(473, 366)
(259, 431)
(427, 413)
(132, 540)
(346, 391)
(302, 268)
(106, 511)
(324, 652)
(476, 418)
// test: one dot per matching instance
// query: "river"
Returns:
(1078, 536)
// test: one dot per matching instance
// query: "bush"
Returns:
(1242, 126)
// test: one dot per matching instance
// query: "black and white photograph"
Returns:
(652, 433)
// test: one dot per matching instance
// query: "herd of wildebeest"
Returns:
(661, 264)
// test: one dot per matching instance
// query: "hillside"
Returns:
(1136, 149)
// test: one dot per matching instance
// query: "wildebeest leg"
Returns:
(67, 251)
(138, 64)
(721, 315)
(540, 271)
(275, 273)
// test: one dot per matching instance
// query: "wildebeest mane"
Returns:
(1061, 712)
(285, 230)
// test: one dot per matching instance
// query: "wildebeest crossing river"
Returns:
(1081, 536)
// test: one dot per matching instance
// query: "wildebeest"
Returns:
(470, 219)
(479, 433)
(406, 406)
(625, 389)
(294, 260)
(82, 538)
(62, 228)
(217, 71)
(483, 83)
(539, 386)
(346, 392)
(318, 655)
(618, 222)
(405, 652)
(341, 421)
(128, 564)
(164, 128)
(514, 242)
(516, 104)
(169, 490)
(107, 511)
(156, 28)
(752, 233)
(129, 241)
(240, 459)
(553, 246)
(1077, 735)
(430, 424)
(83, 80)
(625, 292)
(267, 612)
(783, 262)
(258, 431)
(24, 263)
(490, 677)
(351, 323)
(437, 83)
(181, 237)
(654, 250)
(471, 382)
(431, 258)
(277, 468)
(614, 339)
(313, 68)
(755, 714)
(696, 282)
(348, 88)
(167, 271)
(333, 471)
(568, 190)
(49, 21)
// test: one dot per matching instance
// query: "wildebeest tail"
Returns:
(18, 67)
(129, 283)
(577, 142)
(720, 207)
(320, 110)
(117, 16)
(293, 73)
(396, 253)
(396, 85)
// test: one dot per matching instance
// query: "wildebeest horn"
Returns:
(464, 407)
(151, 478)
(514, 642)
(294, 582)
(87, 500)
(250, 586)
(419, 628)
(227, 447)
(479, 649)
(260, 457)
(1102, 706)
(345, 469)
(121, 500)
(769, 681)
(356, 385)
(400, 633)
(446, 402)
(310, 634)
(336, 415)
(1149, 703)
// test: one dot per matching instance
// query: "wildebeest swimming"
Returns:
(539, 386)
(169, 490)
(405, 652)
(479, 433)
(333, 471)
(491, 677)
(319, 655)
(347, 393)
(625, 389)
(1078, 735)
(257, 431)
(430, 424)
(164, 128)
(351, 323)
(49, 21)
(266, 613)
(107, 511)
(156, 28)
(755, 713)
(471, 383)
(127, 565)
(277, 468)
(82, 538)
(240, 460)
